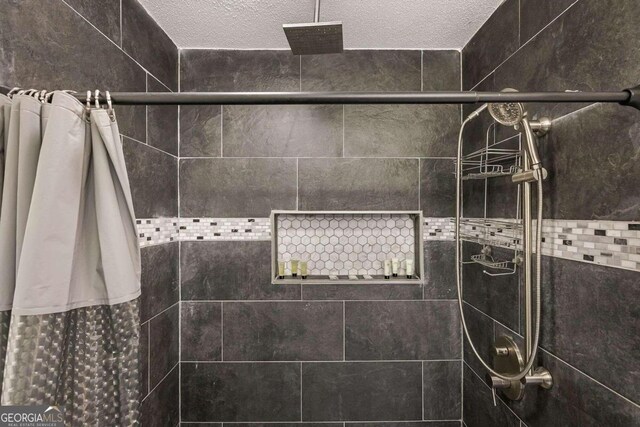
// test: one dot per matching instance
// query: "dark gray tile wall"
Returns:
(46, 45)
(252, 351)
(589, 153)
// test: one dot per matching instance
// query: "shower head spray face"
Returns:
(507, 113)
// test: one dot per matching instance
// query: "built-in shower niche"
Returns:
(347, 247)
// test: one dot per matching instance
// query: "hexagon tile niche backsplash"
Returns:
(346, 244)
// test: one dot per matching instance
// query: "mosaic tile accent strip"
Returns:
(155, 231)
(609, 243)
(438, 229)
(344, 245)
(224, 229)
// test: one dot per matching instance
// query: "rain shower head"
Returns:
(315, 37)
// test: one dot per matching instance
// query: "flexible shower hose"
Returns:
(534, 349)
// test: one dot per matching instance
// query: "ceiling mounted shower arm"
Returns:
(316, 15)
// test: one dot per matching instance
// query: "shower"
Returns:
(511, 372)
(315, 37)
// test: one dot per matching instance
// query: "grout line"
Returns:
(222, 331)
(344, 331)
(344, 423)
(121, 41)
(221, 133)
(499, 397)
(161, 381)
(162, 312)
(297, 184)
(300, 73)
(151, 146)
(300, 391)
(321, 300)
(319, 361)
(422, 79)
(525, 44)
(321, 157)
(146, 110)
(422, 385)
(112, 42)
(344, 154)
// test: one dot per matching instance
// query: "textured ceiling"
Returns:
(367, 24)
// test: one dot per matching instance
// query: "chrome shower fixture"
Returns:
(315, 37)
(514, 114)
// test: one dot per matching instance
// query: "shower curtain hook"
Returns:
(43, 96)
(110, 106)
(88, 108)
(96, 99)
(13, 92)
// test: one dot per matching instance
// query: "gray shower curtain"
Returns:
(69, 263)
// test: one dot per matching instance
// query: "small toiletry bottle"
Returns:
(394, 266)
(281, 266)
(409, 268)
(294, 267)
(303, 269)
(387, 269)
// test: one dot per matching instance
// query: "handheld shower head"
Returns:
(507, 113)
(513, 114)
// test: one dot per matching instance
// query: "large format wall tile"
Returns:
(143, 39)
(590, 321)
(240, 391)
(406, 424)
(282, 131)
(52, 53)
(437, 187)
(481, 329)
(497, 296)
(442, 382)
(235, 188)
(200, 130)
(237, 70)
(163, 344)
(230, 271)
(493, 43)
(358, 184)
(162, 406)
(609, 61)
(403, 330)
(439, 263)
(283, 331)
(575, 400)
(160, 287)
(591, 157)
(359, 292)
(362, 71)
(162, 122)
(361, 391)
(400, 130)
(104, 15)
(536, 14)
(200, 331)
(440, 70)
(478, 405)
(153, 176)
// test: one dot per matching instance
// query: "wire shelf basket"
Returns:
(490, 162)
(504, 233)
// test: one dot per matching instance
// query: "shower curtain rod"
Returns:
(629, 97)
